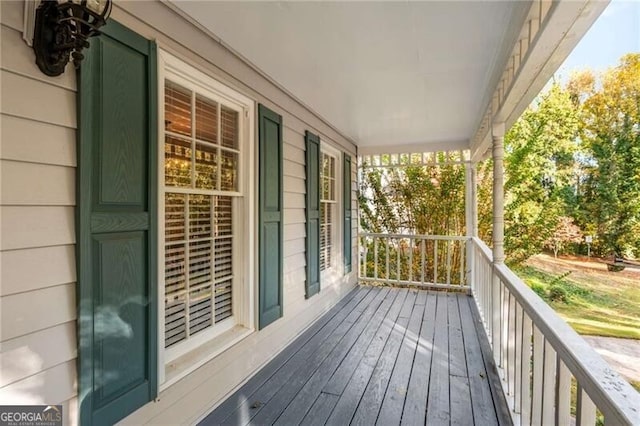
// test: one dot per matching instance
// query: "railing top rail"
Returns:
(484, 249)
(613, 395)
(415, 236)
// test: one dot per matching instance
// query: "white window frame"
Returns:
(332, 274)
(179, 360)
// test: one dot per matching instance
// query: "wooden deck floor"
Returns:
(381, 356)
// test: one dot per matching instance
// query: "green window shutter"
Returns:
(313, 213)
(117, 226)
(271, 221)
(347, 249)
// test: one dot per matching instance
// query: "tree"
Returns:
(610, 194)
(539, 172)
(425, 200)
(566, 232)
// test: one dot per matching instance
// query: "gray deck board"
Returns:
(342, 360)
(438, 407)
(348, 403)
(369, 407)
(415, 405)
(382, 355)
(393, 403)
(321, 409)
(481, 400)
(349, 331)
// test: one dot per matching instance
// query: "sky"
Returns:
(615, 32)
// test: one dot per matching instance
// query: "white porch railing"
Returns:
(429, 261)
(539, 357)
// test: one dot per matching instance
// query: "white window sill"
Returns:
(189, 362)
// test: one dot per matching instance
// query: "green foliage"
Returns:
(418, 199)
(610, 192)
(557, 293)
(539, 172)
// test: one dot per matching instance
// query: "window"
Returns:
(205, 201)
(329, 217)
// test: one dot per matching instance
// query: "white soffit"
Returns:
(380, 72)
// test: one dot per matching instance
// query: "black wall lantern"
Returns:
(62, 28)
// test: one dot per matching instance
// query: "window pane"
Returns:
(223, 216)
(174, 270)
(229, 123)
(174, 217)
(223, 258)
(177, 109)
(175, 324)
(206, 119)
(229, 172)
(223, 300)
(199, 263)
(200, 316)
(199, 216)
(175, 296)
(177, 165)
(206, 166)
(326, 227)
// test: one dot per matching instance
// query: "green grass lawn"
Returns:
(596, 304)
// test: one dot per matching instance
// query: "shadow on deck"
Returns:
(381, 356)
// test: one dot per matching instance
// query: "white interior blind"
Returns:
(327, 210)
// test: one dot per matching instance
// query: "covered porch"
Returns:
(384, 328)
(453, 335)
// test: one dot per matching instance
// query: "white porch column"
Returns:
(471, 220)
(497, 133)
(471, 200)
(498, 335)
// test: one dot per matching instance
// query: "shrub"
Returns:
(557, 293)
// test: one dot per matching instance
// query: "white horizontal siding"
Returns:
(11, 12)
(294, 262)
(37, 100)
(51, 386)
(294, 154)
(37, 142)
(294, 230)
(28, 312)
(32, 353)
(37, 172)
(294, 185)
(36, 268)
(40, 184)
(292, 247)
(36, 226)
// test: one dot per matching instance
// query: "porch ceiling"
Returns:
(380, 72)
